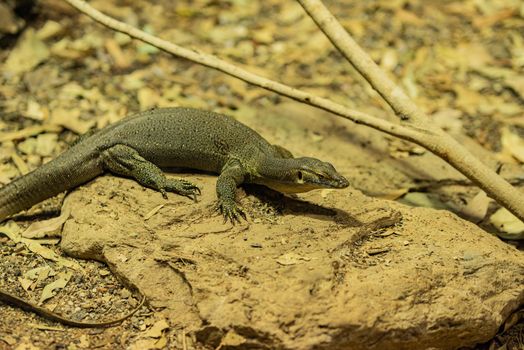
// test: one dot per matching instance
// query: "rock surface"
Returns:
(326, 270)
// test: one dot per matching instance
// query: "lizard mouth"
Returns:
(312, 184)
(334, 182)
(323, 180)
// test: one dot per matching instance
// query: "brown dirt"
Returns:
(328, 269)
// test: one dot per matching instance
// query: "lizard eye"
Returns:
(299, 174)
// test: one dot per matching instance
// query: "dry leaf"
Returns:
(263, 35)
(231, 339)
(477, 206)
(467, 99)
(39, 273)
(120, 59)
(28, 132)
(27, 146)
(104, 272)
(482, 22)
(389, 60)
(393, 194)
(49, 30)
(507, 222)
(474, 55)
(134, 80)
(64, 49)
(25, 283)
(410, 84)
(153, 211)
(70, 119)
(34, 110)
(148, 98)
(48, 228)
(399, 149)
(513, 144)
(37, 248)
(7, 173)
(449, 120)
(46, 144)
(12, 230)
(157, 329)
(28, 53)
(20, 164)
(291, 259)
(49, 290)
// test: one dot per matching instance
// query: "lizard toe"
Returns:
(183, 188)
(231, 212)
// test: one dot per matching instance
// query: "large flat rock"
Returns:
(326, 270)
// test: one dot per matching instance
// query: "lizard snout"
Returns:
(341, 181)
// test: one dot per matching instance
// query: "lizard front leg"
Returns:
(231, 176)
(126, 161)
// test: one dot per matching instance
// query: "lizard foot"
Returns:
(181, 187)
(231, 211)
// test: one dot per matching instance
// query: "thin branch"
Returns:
(413, 125)
(230, 69)
(443, 145)
(362, 62)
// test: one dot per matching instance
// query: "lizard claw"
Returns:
(231, 211)
(183, 188)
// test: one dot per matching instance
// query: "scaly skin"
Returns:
(140, 145)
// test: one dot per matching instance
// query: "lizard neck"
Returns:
(276, 169)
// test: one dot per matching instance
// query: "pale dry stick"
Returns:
(443, 146)
(430, 136)
(230, 69)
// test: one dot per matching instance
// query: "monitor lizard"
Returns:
(140, 145)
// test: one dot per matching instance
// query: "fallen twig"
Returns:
(26, 305)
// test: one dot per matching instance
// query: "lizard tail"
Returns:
(67, 171)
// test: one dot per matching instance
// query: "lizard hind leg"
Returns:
(126, 161)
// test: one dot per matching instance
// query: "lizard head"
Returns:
(304, 174)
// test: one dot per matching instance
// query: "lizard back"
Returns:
(185, 137)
